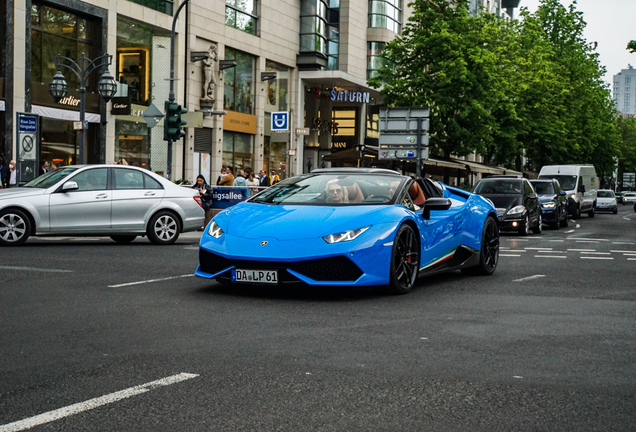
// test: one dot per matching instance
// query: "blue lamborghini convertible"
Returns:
(351, 227)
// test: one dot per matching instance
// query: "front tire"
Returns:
(163, 228)
(489, 253)
(405, 261)
(592, 210)
(525, 229)
(577, 212)
(123, 239)
(15, 228)
(537, 229)
(565, 222)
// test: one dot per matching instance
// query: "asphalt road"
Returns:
(545, 344)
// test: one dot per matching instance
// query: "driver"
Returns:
(336, 193)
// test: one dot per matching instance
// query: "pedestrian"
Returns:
(2, 173)
(263, 179)
(218, 180)
(228, 178)
(13, 174)
(205, 192)
(239, 180)
(252, 183)
(53, 166)
(273, 178)
(44, 167)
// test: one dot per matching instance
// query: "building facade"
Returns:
(237, 64)
(624, 91)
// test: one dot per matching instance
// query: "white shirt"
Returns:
(13, 179)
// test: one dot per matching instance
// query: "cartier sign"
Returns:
(121, 106)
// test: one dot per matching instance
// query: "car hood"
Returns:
(251, 220)
(546, 198)
(504, 201)
(13, 193)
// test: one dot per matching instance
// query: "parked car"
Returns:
(516, 202)
(119, 201)
(629, 197)
(606, 200)
(579, 182)
(554, 202)
(350, 227)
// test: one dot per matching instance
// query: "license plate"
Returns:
(255, 276)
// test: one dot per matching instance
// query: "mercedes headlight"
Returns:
(215, 230)
(345, 236)
(549, 205)
(516, 210)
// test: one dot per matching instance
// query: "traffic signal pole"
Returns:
(171, 97)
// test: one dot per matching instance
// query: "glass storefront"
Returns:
(60, 143)
(237, 150)
(134, 42)
(274, 157)
(238, 95)
(132, 143)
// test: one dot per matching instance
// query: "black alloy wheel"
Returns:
(489, 253)
(163, 228)
(555, 223)
(525, 227)
(123, 239)
(537, 229)
(15, 227)
(405, 261)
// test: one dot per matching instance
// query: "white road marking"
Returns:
(508, 255)
(596, 253)
(597, 258)
(77, 408)
(35, 269)
(516, 250)
(622, 251)
(149, 281)
(584, 238)
(629, 243)
(539, 249)
(571, 231)
(631, 259)
(551, 251)
(518, 239)
(629, 255)
(627, 217)
(560, 241)
(191, 247)
(529, 278)
(582, 250)
(587, 241)
(518, 377)
(550, 256)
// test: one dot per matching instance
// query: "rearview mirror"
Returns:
(435, 204)
(532, 196)
(70, 186)
(582, 188)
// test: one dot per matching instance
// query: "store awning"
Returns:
(477, 167)
(61, 114)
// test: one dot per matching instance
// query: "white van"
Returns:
(579, 182)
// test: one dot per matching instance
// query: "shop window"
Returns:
(277, 89)
(133, 59)
(375, 60)
(241, 14)
(54, 32)
(238, 82)
(132, 144)
(237, 150)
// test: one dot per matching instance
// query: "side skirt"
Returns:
(463, 256)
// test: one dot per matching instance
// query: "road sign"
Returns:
(280, 121)
(77, 125)
(302, 131)
(400, 154)
(629, 180)
(152, 115)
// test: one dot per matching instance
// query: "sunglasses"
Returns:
(335, 190)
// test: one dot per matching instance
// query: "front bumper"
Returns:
(511, 224)
(549, 215)
(606, 207)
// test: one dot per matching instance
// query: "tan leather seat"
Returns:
(417, 194)
(355, 193)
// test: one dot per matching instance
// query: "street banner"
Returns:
(227, 197)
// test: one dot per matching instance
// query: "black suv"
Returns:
(554, 202)
(515, 200)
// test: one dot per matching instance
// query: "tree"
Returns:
(627, 154)
(631, 46)
(443, 60)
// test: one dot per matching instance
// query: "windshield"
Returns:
(498, 187)
(50, 178)
(567, 182)
(605, 194)
(333, 189)
(544, 188)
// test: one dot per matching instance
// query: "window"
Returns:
(131, 179)
(165, 6)
(92, 179)
(54, 32)
(237, 95)
(134, 42)
(277, 89)
(386, 14)
(237, 150)
(375, 61)
(241, 14)
(313, 26)
(628, 80)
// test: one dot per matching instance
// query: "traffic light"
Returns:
(172, 124)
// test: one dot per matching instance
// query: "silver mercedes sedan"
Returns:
(122, 202)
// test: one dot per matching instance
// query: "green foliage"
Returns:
(631, 46)
(505, 88)
(627, 154)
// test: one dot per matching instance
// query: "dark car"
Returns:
(517, 204)
(619, 197)
(554, 202)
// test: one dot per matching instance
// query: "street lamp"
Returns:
(106, 87)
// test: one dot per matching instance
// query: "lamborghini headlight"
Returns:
(215, 230)
(345, 236)
(548, 205)
(516, 210)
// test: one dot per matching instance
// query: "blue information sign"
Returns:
(280, 121)
(28, 124)
(227, 197)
